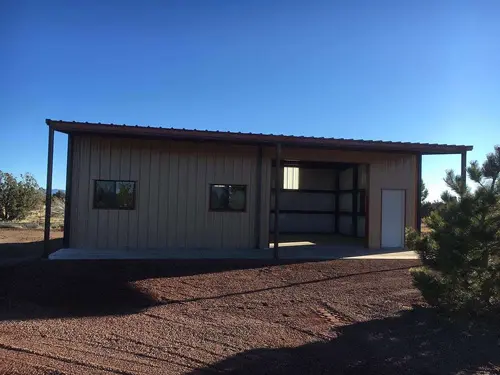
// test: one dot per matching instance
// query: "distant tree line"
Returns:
(426, 207)
(21, 196)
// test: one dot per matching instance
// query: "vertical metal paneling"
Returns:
(191, 209)
(163, 201)
(247, 223)
(154, 182)
(181, 217)
(227, 220)
(173, 185)
(234, 234)
(172, 195)
(266, 201)
(217, 222)
(201, 199)
(143, 196)
(75, 186)
(346, 179)
(213, 236)
(114, 174)
(392, 174)
(362, 176)
(86, 188)
(124, 174)
(105, 162)
(133, 215)
(91, 236)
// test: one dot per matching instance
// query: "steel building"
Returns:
(137, 187)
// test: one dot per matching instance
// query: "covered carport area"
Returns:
(321, 203)
(336, 198)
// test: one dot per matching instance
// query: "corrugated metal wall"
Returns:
(385, 171)
(398, 173)
(172, 195)
(172, 191)
(315, 179)
(345, 200)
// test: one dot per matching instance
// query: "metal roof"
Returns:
(74, 127)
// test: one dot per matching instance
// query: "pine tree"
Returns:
(461, 253)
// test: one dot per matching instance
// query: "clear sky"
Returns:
(425, 71)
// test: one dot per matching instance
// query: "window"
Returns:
(118, 195)
(291, 178)
(228, 197)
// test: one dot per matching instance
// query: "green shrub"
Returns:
(61, 195)
(461, 253)
(18, 197)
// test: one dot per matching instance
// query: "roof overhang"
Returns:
(72, 127)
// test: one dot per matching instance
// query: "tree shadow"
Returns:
(419, 341)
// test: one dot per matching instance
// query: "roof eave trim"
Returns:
(215, 136)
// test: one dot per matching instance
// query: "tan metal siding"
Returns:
(172, 193)
(385, 171)
(124, 215)
(392, 174)
(266, 201)
(163, 201)
(93, 215)
(153, 201)
(102, 227)
(114, 174)
(133, 215)
(75, 181)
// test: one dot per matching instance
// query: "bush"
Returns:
(18, 197)
(461, 253)
(59, 195)
(426, 208)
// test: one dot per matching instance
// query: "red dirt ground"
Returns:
(18, 236)
(166, 317)
(18, 244)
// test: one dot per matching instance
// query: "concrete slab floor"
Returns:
(289, 253)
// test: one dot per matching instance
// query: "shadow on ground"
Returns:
(51, 289)
(417, 342)
(12, 253)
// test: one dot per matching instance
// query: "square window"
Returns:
(118, 195)
(224, 197)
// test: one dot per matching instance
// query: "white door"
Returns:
(393, 219)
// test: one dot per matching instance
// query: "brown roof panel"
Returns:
(73, 127)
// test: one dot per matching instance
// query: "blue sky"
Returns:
(423, 71)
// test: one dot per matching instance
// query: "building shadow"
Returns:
(14, 253)
(416, 342)
(53, 289)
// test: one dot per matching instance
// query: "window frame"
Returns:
(227, 209)
(134, 195)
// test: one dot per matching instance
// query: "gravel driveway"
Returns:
(345, 316)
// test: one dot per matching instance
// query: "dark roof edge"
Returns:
(253, 138)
